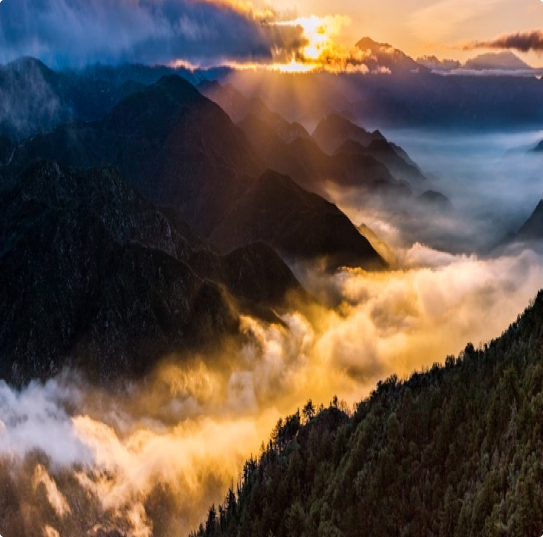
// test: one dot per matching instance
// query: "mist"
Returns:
(151, 458)
(491, 179)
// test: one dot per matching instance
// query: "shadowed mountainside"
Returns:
(179, 150)
(283, 213)
(313, 169)
(532, 229)
(99, 278)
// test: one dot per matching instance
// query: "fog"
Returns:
(150, 458)
(491, 179)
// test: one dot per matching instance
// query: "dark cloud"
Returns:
(76, 32)
(522, 41)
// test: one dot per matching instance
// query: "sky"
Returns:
(216, 32)
(426, 27)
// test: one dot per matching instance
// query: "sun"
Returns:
(319, 33)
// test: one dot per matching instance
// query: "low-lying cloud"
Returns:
(149, 459)
(521, 41)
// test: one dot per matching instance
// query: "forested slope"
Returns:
(453, 451)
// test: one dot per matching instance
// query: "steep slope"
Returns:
(453, 451)
(182, 151)
(277, 211)
(172, 144)
(334, 130)
(532, 229)
(435, 202)
(539, 147)
(313, 169)
(35, 99)
(97, 277)
(388, 154)
(238, 107)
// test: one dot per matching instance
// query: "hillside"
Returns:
(175, 147)
(277, 211)
(313, 169)
(532, 229)
(453, 451)
(99, 278)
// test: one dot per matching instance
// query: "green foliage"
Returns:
(456, 451)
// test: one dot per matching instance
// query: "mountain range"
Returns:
(149, 232)
(101, 279)
(397, 91)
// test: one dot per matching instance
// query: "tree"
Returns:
(308, 411)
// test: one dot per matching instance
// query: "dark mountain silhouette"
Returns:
(532, 229)
(277, 211)
(435, 201)
(539, 147)
(97, 277)
(389, 154)
(313, 169)
(452, 451)
(6, 150)
(238, 107)
(175, 147)
(334, 130)
(411, 96)
(172, 144)
(35, 99)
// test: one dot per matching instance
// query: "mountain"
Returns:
(337, 135)
(35, 99)
(408, 97)
(238, 107)
(532, 229)
(384, 57)
(388, 154)
(277, 211)
(334, 130)
(179, 150)
(6, 150)
(313, 169)
(505, 60)
(98, 278)
(435, 64)
(539, 147)
(172, 144)
(435, 201)
(455, 450)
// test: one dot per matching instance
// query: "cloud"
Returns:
(523, 42)
(149, 459)
(76, 32)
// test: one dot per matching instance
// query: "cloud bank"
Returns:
(76, 32)
(151, 458)
(523, 42)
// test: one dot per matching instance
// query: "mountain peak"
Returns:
(533, 228)
(504, 60)
(386, 58)
(369, 43)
